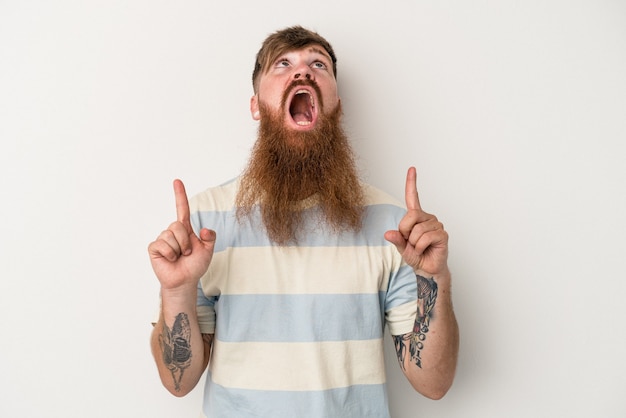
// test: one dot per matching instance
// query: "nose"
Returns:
(303, 71)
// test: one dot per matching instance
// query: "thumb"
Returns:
(207, 237)
(396, 238)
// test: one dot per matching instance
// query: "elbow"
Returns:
(179, 389)
(433, 390)
(435, 394)
(178, 393)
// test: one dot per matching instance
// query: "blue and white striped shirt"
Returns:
(299, 328)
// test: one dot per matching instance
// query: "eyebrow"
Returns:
(320, 51)
(317, 50)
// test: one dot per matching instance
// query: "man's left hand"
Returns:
(420, 238)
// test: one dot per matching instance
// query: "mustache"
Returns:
(299, 83)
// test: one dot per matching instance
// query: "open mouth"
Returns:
(302, 108)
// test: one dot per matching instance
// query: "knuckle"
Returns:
(166, 235)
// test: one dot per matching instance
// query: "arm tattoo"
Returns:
(426, 298)
(175, 344)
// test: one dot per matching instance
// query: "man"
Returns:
(282, 281)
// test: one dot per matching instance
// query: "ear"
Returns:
(254, 108)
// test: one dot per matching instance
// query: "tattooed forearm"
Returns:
(426, 298)
(175, 345)
(399, 342)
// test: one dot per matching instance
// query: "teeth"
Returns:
(303, 123)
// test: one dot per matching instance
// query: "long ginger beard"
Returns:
(287, 166)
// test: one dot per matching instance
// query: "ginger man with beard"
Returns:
(281, 281)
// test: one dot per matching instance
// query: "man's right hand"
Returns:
(178, 256)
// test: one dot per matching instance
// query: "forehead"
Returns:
(313, 49)
(288, 49)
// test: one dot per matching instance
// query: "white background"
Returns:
(513, 112)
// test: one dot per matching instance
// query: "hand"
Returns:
(420, 238)
(178, 256)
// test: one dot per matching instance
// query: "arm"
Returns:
(179, 258)
(428, 354)
(181, 353)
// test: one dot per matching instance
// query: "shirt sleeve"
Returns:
(401, 301)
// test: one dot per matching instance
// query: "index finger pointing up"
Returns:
(182, 204)
(410, 191)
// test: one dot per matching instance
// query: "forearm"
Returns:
(177, 344)
(428, 355)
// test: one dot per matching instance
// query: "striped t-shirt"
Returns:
(299, 328)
